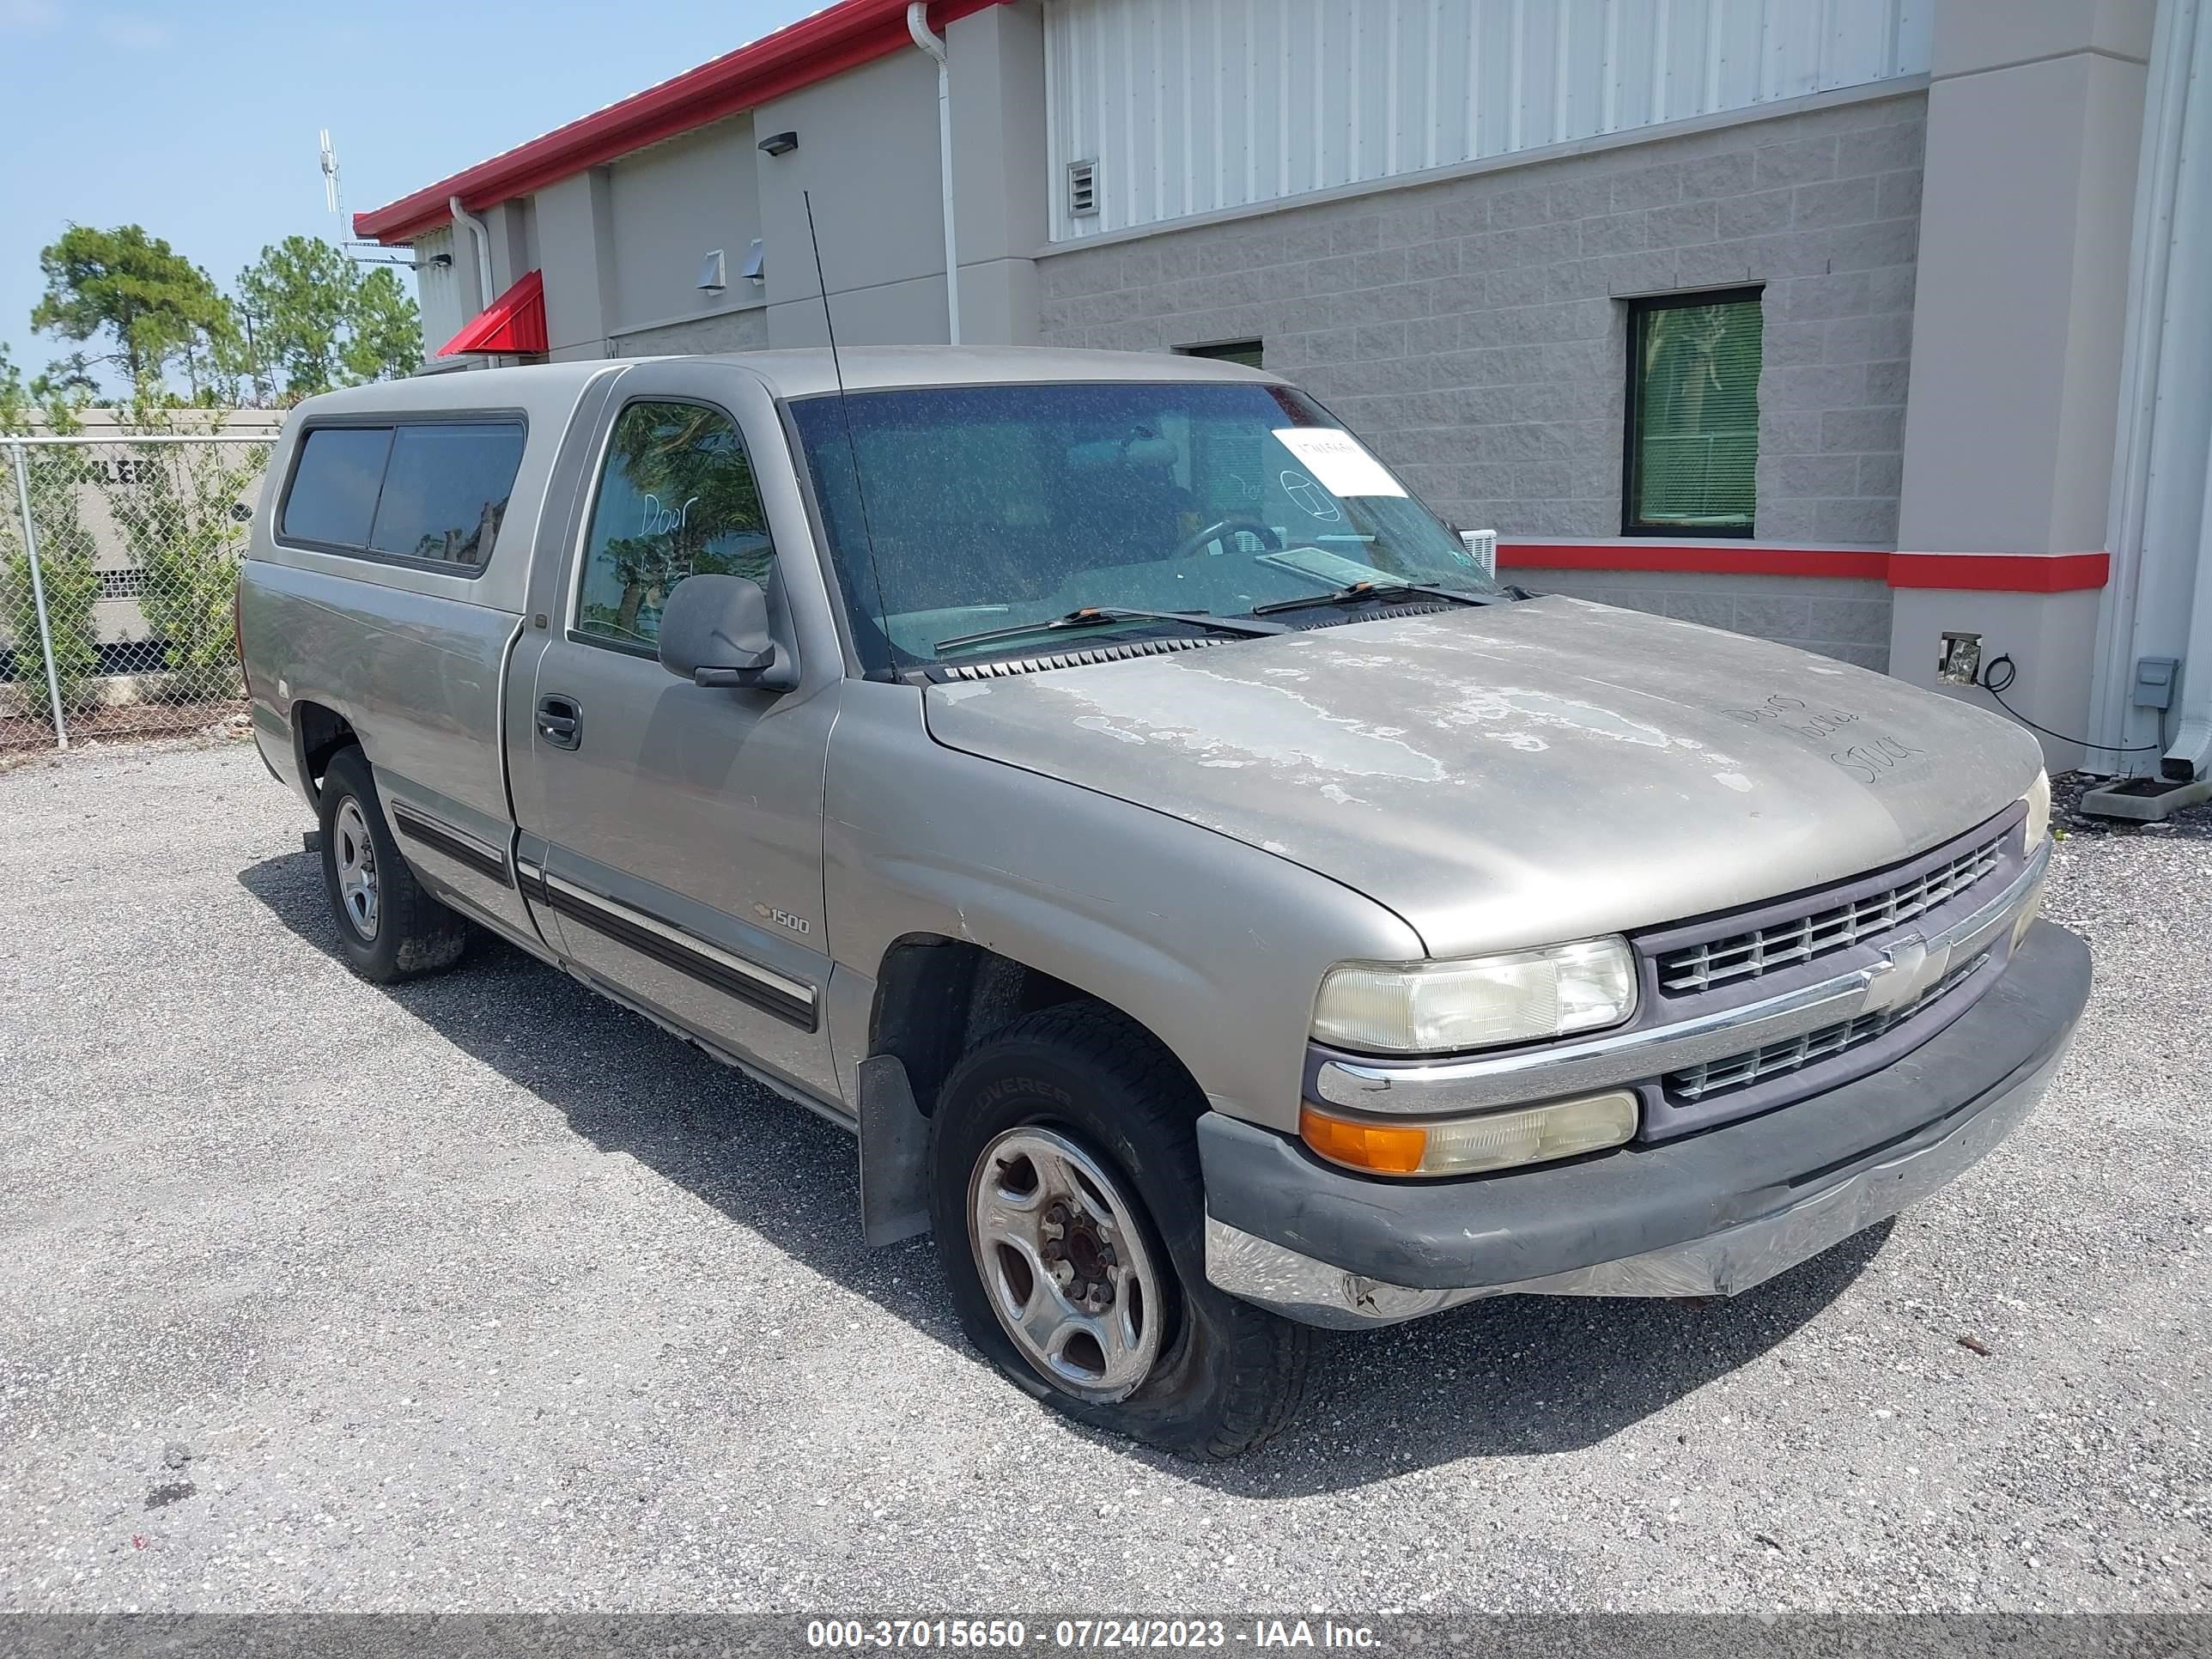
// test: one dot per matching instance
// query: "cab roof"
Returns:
(805, 371)
(808, 371)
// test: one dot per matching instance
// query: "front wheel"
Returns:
(1069, 1216)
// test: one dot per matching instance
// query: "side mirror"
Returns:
(714, 632)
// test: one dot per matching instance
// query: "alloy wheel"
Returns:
(1064, 1263)
(355, 855)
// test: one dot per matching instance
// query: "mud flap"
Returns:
(894, 1154)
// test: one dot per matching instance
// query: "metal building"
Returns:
(1881, 326)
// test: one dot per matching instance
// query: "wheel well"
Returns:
(936, 997)
(318, 733)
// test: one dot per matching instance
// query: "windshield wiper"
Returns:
(1362, 592)
(1092, 616)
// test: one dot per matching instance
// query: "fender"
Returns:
(1213, 946)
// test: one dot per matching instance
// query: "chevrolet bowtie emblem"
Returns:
(1909, 966)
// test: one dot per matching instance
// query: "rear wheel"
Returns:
(389, 928)
(1069, 1216)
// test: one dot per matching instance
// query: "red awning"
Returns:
(514, 323)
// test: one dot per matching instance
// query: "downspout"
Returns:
(2189, 403)
(917, 25)
(2161, 506)
(482, 232)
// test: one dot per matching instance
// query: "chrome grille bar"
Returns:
(1761, 950)
(1695, 1083)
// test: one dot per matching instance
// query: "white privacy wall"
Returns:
(1186, 106)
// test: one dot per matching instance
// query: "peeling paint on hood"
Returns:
(1519, 774)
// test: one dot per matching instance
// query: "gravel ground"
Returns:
(484, 1294)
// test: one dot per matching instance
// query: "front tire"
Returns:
(1069, 1215)
(389, 928)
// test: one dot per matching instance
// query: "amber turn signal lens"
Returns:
(1385, 1148)
(1503, 1139)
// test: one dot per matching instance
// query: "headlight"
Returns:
(1442, 1008)
(1468, 1146)
(2038, 809)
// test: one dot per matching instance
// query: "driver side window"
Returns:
(678, 498)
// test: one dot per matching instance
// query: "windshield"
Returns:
(986, 508)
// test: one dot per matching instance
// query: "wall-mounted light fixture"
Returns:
(710, 273)
(779, 144)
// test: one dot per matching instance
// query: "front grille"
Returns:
(1761, 950)
(1697, 1083)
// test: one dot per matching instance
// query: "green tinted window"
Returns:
(677, 499)
(1693, 415)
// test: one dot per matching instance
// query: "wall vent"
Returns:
(1082, 190)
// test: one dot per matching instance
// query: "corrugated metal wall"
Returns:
(1188, 105)
(438, 290)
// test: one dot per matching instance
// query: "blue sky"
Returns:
(198, 120)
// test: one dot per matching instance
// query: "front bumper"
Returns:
(1709, 1214)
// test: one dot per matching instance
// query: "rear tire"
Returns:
(1076, 1112)
(389, 928)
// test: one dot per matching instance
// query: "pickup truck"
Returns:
(1218, 908)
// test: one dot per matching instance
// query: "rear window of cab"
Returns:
(419, 492)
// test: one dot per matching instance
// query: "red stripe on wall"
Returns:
(1720, 558)
(2001, 573)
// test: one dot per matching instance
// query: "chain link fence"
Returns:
(119, 563)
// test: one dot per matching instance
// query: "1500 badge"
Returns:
(783, 918)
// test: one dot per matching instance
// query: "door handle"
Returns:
(561, 721)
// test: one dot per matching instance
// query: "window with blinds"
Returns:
(1692, 414)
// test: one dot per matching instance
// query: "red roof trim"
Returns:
(1992, 573)
(839, 38)
(514, 323)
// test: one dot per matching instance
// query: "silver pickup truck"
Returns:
(1218, 907)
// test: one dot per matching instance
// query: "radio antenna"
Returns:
(844, 410)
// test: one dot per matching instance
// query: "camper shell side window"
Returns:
(426, 491)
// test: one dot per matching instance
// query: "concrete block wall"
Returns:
(1848, 620)
(1472, 329)
(725, 331)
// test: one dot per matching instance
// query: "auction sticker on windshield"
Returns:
(1336, 459)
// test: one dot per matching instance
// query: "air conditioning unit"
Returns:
(1482, 547)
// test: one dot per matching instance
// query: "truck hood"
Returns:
(1522, 773)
